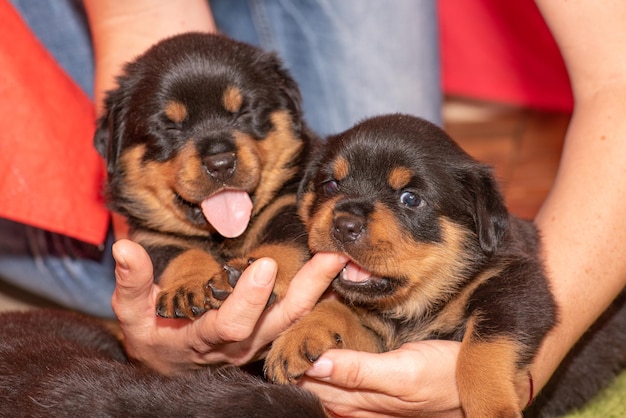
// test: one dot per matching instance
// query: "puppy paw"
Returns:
(184, 301)
(296, 350)
(329, 325)
(221, 286)
(184, 285)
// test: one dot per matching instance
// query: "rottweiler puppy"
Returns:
(434, 254)
(205, 144)
(61, 364)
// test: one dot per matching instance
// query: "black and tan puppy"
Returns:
(434, 255)
(59, 364)
(204, 143)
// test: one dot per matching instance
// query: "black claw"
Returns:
(162, 312)
(233, 275)
(271, 300)
(218, 294)
(311, 358)
(178, 312)
(162, 307)
(196, 310)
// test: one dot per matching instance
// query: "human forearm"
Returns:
(123, 29)
(583, 225)
(582, 221)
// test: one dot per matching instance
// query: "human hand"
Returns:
(418, 379)
(236, 333)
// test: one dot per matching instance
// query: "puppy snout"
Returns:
(347, 228)
(221, 166)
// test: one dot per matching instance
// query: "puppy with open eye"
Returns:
(205, 144)
(434, 255)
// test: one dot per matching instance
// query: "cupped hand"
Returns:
(418, 379)
(236, 333)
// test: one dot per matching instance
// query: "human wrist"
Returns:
(122, 30)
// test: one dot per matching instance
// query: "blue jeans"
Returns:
(351, 58)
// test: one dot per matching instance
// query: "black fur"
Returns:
(60, 364)
(592, 364)
(440, 257)
(194, 116)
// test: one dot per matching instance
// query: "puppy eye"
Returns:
(411, 200)
(174, 127)
(330, 187)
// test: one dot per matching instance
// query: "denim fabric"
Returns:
(351, 58)
(66, 271)
(61, 26)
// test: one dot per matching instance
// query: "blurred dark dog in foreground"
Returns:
(60, 364)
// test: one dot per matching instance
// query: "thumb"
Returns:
(352, 370)
(134, 279)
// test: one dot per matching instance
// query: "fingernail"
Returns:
(119, 259)
(265, 272)
(321, 368)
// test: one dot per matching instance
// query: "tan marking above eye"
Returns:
(176, 111)
(341, 168)
(399, 177)
(232, 99)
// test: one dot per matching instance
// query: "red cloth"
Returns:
(50, 174)
(502, 51)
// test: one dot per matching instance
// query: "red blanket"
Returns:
(50, 173)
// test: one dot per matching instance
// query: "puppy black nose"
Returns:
(221, 166)
(347, 228)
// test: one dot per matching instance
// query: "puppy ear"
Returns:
(110, 129)
(491, 217)
(306, 188)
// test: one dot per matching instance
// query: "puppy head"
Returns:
(412, 210)
(199, 134)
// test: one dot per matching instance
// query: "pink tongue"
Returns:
(228, 211)
(354, 273)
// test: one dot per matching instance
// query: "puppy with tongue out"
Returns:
(205, 145)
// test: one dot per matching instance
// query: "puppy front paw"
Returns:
(220, 287)
(329, 325)
(296, 350)
(186, 286)
(184, 300)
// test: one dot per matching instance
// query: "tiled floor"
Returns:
(523, 146)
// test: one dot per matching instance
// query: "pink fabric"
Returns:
(50, 174)
(502, 51)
